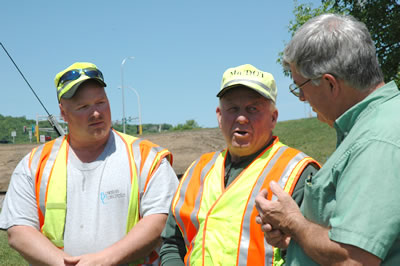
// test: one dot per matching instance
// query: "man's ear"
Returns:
(62, 112)
(275, 116)
(218, 112)
(333, 83)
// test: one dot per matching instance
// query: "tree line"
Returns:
(22, 128)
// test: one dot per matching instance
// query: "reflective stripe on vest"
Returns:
(48, 165)
(202, 204)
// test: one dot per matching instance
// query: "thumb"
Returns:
(71, 260)
(263, 193)
(277, 190)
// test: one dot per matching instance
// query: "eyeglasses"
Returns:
(296, 90)
(76, 73)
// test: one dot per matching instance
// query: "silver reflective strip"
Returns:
(181, 201)
(35, 162)
(288, 170)
(245, 237)
(193, 215)
(146, 167)
(247, 80)
(137, 159)
(46, 173)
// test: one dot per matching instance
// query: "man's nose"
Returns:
(242, 119)
(95, 112)
(301, 96)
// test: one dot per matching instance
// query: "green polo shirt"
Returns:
(356, 192)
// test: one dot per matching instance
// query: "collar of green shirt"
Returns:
(349, 118)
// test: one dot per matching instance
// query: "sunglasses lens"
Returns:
(70, 75)
(93, 73)
(76, 73)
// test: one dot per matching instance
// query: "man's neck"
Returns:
(88, 152)
(237, 159)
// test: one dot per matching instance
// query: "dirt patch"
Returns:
(186, 146)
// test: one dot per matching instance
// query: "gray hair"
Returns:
(336, 44)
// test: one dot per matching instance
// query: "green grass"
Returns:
(8, 256)
(308, 135)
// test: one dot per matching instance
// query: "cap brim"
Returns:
(71, 92)
(262, 93)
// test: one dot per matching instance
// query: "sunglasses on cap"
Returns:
(77, 73)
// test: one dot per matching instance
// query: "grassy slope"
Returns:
(308, 135)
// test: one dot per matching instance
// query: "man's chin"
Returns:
(241, 149)
(100, 133)
(324, 120)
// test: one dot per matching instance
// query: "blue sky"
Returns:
(180, 49)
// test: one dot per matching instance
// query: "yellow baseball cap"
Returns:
(68, 80)
(251, 77)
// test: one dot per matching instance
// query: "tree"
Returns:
(190, 124)
(381, 18)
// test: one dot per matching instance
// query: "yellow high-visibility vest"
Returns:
(218, 222)
(48, 164)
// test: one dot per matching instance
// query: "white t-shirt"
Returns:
(97, 198)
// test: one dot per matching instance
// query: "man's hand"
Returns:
(277, 217)
(88, 260)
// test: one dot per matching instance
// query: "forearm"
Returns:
(139, 242)
(34, 246)
(315, 241)
(170, 255)
(283, 215)
(173, 249)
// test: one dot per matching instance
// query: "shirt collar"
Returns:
(347, 120)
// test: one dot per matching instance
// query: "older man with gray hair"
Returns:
(351, 209)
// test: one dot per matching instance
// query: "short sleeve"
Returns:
(160, 191)
(19, 206)
(367, 212)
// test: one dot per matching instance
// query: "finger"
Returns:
(273, 240)
(261, 199)
(263, 193)
(285, 242)
(266, 228)
(258, 219)
(277, 190)
(274, 233)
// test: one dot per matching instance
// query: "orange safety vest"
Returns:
(48, 164)
(217, 223)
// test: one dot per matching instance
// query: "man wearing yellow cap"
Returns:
(212, 216)
(95, 196)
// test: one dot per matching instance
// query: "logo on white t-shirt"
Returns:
(111, 195)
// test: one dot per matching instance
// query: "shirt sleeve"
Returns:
(160, 191)
(173, 249)
(19, 206)
(367, 212)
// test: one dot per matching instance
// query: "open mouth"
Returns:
(240, 132)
